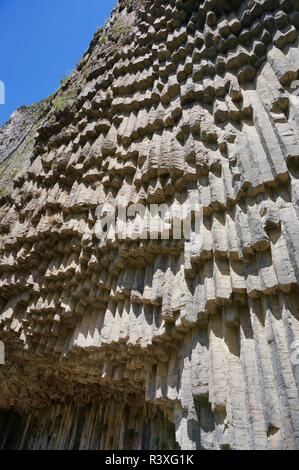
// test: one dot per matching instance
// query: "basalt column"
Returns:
(130, 343)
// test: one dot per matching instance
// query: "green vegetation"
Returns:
(65, 80)
(14, 166)
(131, 434)
(64, 97)
(121, 28)
(131, 4)
(103, 39)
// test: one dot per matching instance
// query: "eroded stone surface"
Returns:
(130, 344)
(16, 145)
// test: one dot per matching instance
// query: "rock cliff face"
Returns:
(160, 344)
(16, 145)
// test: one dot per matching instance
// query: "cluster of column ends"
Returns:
(132, 344)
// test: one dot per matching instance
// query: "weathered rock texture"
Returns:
(16, 144)
(129, 344)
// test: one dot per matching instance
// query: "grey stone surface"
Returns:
(134, 344)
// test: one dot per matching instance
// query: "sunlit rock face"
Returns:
(129, 343)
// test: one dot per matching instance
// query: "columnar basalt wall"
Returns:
(160, 344)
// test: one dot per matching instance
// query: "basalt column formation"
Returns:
(160, 344)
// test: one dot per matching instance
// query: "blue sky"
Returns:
(41, 41)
